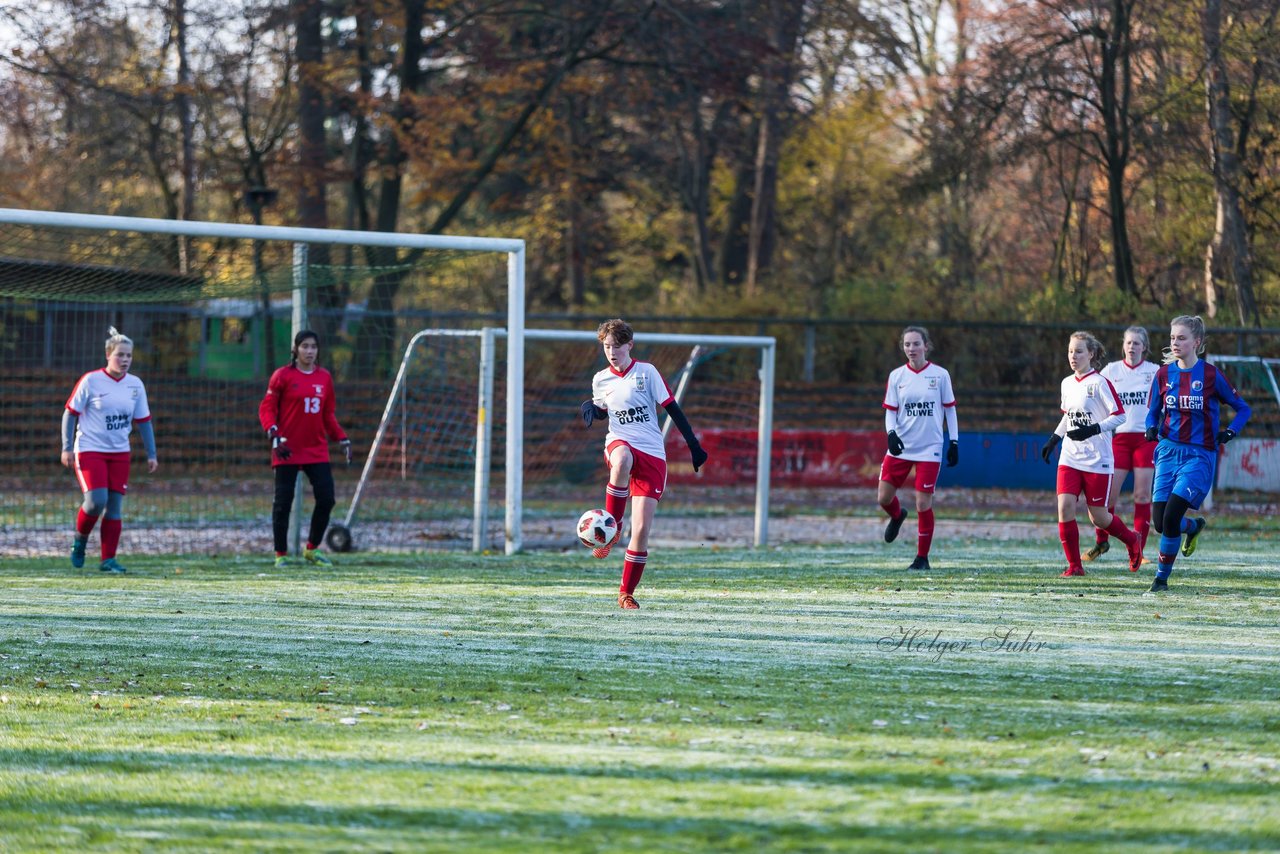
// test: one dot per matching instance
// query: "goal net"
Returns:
(1251, 463)
(428, 479)
(212, 309)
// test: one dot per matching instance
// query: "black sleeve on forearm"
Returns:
(69, 421)
(682, 424)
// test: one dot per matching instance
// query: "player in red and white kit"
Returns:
(96, 422)
(1090, 408)
(298, 414)
(629, 393)
(918, 398)
(1132, 378)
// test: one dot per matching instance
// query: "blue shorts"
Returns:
(1183, 470)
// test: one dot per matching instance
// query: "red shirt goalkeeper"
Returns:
(297, 413)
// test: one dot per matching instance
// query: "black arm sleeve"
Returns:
(682, 424)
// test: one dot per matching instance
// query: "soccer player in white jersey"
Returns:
(918, 398)
(628, 393)
(1132, 378)
(96, 422)
(1090, 408)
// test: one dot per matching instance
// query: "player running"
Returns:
(1185, 398)
(1090, 407)
(1131, 377)
(629, 393)
(917, 399)
(298, 414)
(96, 423)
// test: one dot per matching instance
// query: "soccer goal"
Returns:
(212, 309)
(1252, 462)
(426, 480)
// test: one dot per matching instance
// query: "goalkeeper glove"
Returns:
(895, 444)
(1085, 432)
(346, 449)
(1225, 436)
(699, 456)
(278, 446)
(1047, 451)
(953, 454)
(590, 412)
(1153, 434)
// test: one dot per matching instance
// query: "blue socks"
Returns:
(1168, 551)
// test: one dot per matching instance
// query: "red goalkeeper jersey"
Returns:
(301, 406)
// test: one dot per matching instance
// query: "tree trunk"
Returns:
(186, 111)
(312, 157)
(1114, 84)
(1232, 233)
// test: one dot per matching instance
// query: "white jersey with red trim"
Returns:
(1090, 399)
(632, 398)
(1133, 384)
(107, 408)
(916, 402)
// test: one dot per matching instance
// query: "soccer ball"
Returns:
(596, 528)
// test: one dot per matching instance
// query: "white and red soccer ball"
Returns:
(597, 528)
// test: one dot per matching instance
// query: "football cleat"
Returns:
(895, 525)
(1072, 572)
(1135, 556)
(603, 552)
(315, 558)
(1098, 550)
(77, 551)
(1158, 586)
(110, 565)
(282, 561)
(627, 602)
(920, 562)
(1189, 544)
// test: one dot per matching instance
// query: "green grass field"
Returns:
(759, 701)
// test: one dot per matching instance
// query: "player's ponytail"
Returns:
(298, 339)
(1097, 353)
(115, 338)
(1193, 324)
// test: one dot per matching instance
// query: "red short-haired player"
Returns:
(629, 393)
(1132, 378)
(97, 420)
(918, 398)
(298, 414)
(1090, 408)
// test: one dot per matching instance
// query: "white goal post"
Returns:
(341, 534)
(300, 238)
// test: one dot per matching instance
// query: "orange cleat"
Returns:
(1135, 557)
(627, 602)
(603, 551)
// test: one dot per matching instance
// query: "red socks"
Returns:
(615, 502)
(85, 523)
(1069, 534)
(1120, 532)
(110, 537)
(893, 508)
(1142, 522)
(925, 519)
(1101, 533)
(632, 569)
